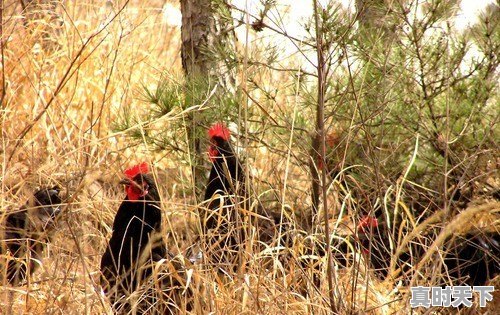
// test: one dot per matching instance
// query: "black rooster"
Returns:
(225, 194)
(475, 258)
(27, 231)
(227, 176)
(472, 258)
(229, 209)
(136, 245)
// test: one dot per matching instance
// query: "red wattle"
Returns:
(212, 153)
(134, 193)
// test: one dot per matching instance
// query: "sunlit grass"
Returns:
(62, 98)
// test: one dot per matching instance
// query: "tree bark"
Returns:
(41, 16)
(204, 33)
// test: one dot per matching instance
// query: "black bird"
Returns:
(472, 258)
(27, 231)
(227, 176)
(136, 245)
(229, 208)
(225, 194)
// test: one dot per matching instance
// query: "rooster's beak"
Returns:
(125, 181)
(129, 182)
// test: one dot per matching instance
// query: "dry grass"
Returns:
(61, 98)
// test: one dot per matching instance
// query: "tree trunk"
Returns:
(204, 33)
(43, 21)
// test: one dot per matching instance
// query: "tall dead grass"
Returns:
(61, 99)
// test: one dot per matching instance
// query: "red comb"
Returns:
(219, 130)
(367, 222)
(142, 168)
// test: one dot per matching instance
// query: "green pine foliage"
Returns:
(416, 77)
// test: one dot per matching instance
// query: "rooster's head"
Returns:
(367, 224)
(45, 206)
(219, 135)
(136, 183)
(366, 230)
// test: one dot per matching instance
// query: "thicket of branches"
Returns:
(409, 105)
(387, 110)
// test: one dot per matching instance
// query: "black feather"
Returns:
(27, 231)
(136, 245)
